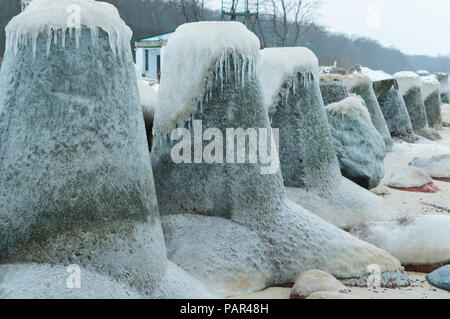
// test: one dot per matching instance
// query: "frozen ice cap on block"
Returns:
(193, 54)
(429, 85)
(55, 18)
(351, 104)
(376, 75)
(279, 65)
(407, 80)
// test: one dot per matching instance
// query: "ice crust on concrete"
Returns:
(59, 19)
(196, 55)
(280, 65)
(245, 235)
(418, 240)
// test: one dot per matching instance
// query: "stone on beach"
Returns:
(315, 280)
(421, 243)
(411, 179)
(438, 167)
(360, 148)
(440, 278)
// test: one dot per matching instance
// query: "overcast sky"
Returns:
(413, 26)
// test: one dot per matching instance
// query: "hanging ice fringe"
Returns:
(227, 58)
(25, 26)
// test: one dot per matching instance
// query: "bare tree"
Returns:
(290, 14)
(192, 10)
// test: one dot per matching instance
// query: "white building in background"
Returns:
(149, 52)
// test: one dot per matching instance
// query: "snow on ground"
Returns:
(402, 154)
(419, 289)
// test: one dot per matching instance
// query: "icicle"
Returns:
(94, 35)
(49, 40)
(55, 36)
(16, 43)
(210, 91)
(243, 71)
(221, 72)
(63, 37)
(236, 70)
(250, 66)
(33, 43)
(77, 37)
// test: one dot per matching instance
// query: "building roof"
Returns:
(164, 35)
(155, 41)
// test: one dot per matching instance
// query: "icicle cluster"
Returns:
(230, 66)
(281, 69)
(64, 19)
(197, 56)
(290, 85)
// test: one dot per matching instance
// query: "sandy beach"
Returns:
(408, 203)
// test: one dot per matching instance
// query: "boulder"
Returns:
(235, 217)
(359, 147)
(438, 167)
(308, 159)
(361, 85)
(315, 280)
(421, 243)
(430, 88)
(440, 278)
(411, 179)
